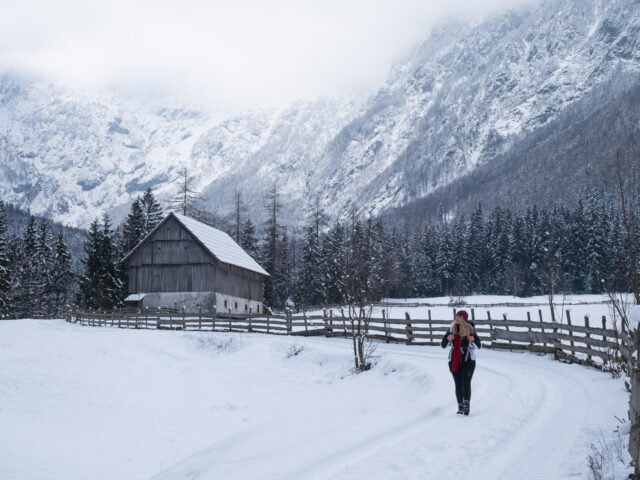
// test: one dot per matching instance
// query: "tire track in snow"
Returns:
(514, 430)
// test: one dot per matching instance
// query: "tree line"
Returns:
(578, 249)
(36, 278)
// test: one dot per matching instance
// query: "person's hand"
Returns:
(470, 338)
(450, 337)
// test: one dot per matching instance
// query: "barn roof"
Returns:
(217, 242)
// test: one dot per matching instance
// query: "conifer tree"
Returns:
(5, 274)
(43, 270)
(445, 265)
(333, 261)
(62, 277)
(475, 250)
(269, 252)
(135, 227)
(152, 211)
(24, 263)
(101, 284)
(248, 240)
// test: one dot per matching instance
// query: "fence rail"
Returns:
(600, 347)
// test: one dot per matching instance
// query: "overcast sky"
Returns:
(234, 54)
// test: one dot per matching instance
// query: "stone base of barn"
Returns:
(230, 304)
(189, 302)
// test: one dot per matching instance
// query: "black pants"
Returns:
(462, 377)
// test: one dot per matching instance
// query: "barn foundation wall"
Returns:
(229, 303)
(189, 301)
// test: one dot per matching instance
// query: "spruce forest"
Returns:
(578, 249)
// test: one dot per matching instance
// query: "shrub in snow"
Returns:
(294, 350)
(609, 459)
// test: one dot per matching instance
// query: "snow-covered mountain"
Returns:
(459, 100)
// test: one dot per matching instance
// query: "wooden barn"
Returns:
(186, 264)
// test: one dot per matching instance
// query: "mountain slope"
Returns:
(466, 97)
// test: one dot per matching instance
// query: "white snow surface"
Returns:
(220, 244)
(107, 403)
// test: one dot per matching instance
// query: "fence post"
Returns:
(431, 325)
(304, 315)
(542, 327)
(588, 335)
(199, 317)
(573, 352)
(557, 345)
(250, 329)
(386, 327)
(634, 403)
(229, 318)
(504, 316)
(530, 331)
(490, 327)
(268, 327)
(408, 328)
(325, 319)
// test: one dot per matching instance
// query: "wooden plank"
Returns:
(376, 328)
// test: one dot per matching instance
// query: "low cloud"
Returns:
(232, 54)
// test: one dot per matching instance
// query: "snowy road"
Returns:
(102, 403)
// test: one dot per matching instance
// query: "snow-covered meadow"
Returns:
(515, 308)
(103, 403)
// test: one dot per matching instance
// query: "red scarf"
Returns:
(457, 340)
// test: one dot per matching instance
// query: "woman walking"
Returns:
(463, 340)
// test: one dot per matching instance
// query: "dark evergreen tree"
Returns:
(596, 234)
(333, 264)
(311, 275)
(43, 270)
(445, 260)
(248, 240)
(101, 284)
(152, 211)
(269, 252)
(25, 266)
(135, 227)
(475, 251)
(62, 277)
(5, 260)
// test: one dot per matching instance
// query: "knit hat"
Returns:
(463, 314)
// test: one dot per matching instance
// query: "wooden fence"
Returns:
(596, 346)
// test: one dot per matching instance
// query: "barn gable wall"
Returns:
(171, 261)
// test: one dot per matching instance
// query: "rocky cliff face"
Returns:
(464, 97)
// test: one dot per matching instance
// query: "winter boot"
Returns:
(466, 407)
(460, 409)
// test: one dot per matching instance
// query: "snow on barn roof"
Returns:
(217, 242)
(221, 245)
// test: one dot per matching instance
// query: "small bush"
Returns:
(294, 350)
(608, 460)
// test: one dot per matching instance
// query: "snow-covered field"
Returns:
(579, 306)
(107, 403)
